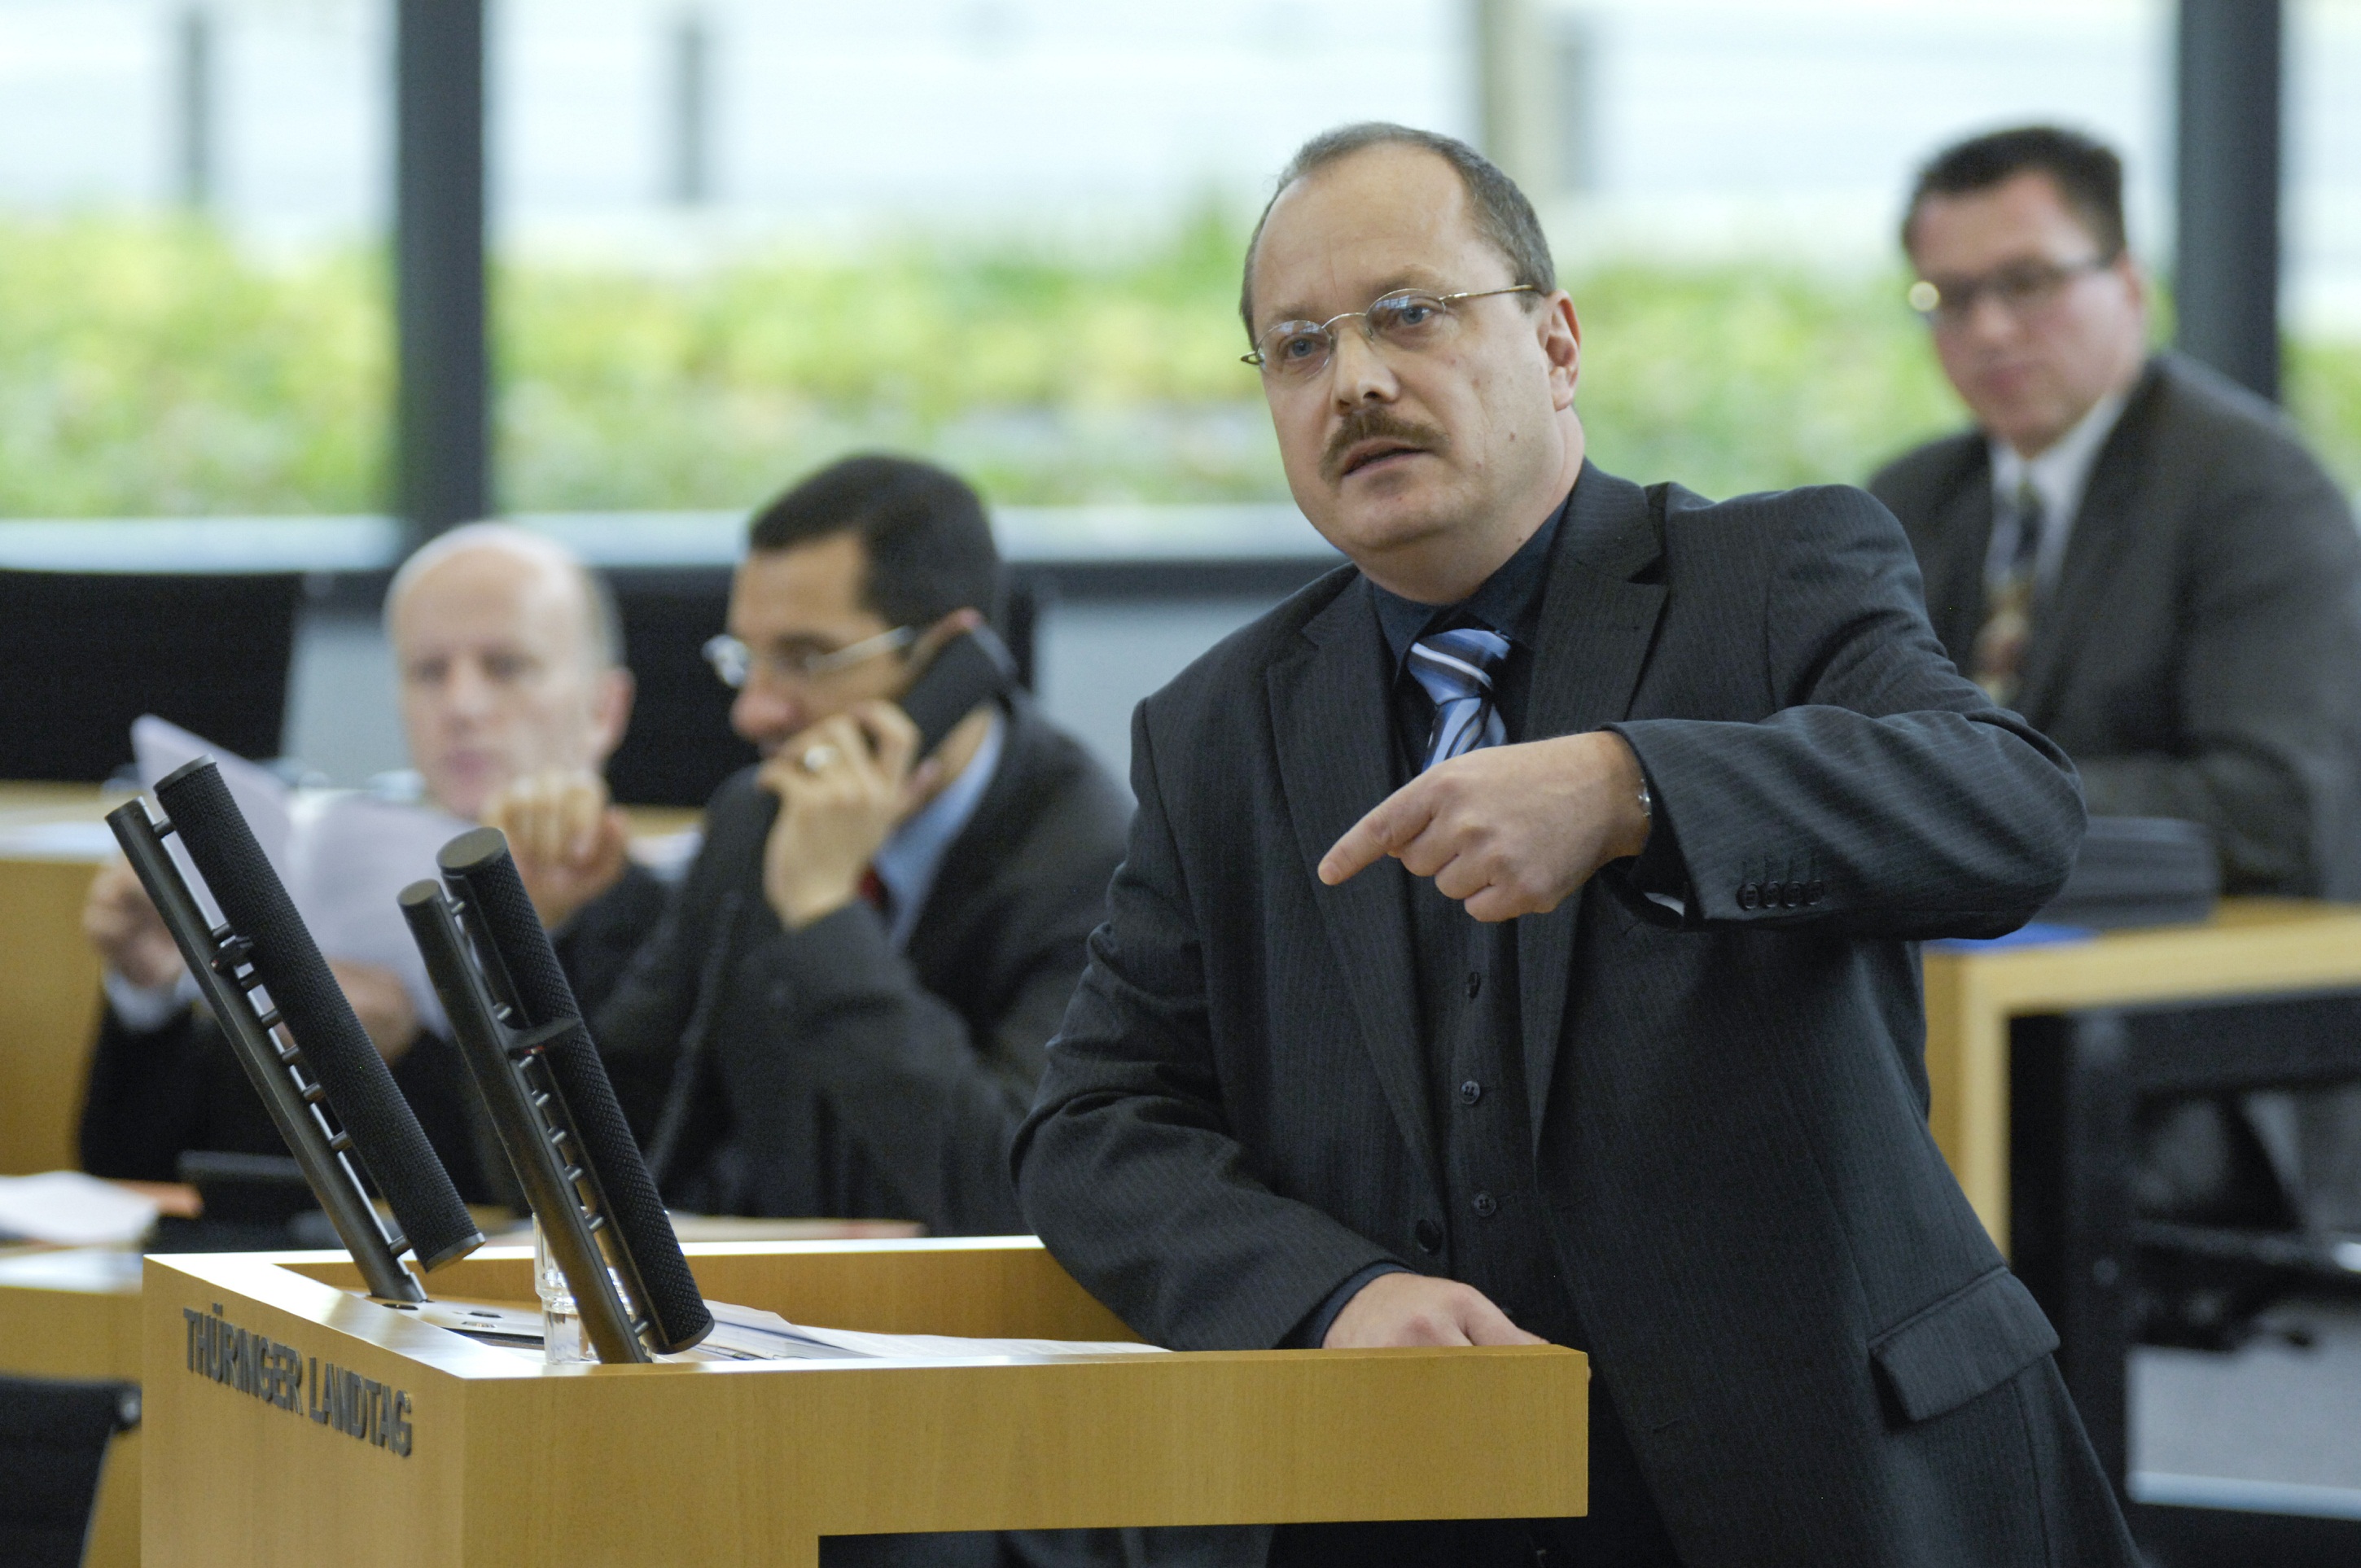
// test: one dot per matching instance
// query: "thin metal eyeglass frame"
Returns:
(733, 662)
(1328, 327)
(1937, 317)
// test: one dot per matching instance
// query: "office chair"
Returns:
(83, 653)
(54, 1438)
(679, 747)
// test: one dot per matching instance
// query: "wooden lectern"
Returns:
(401, 1442)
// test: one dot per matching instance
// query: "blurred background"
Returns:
(748, 235)
(723, 241)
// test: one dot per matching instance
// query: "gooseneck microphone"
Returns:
(528, 1034)
(535, 1128)
(327, 1090)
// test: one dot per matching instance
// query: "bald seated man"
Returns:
(513, 697)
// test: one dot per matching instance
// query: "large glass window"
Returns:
(733, 237)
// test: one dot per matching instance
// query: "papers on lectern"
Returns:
(749, 1333)
(66, 1208)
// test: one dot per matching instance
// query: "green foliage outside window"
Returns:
(151, 368)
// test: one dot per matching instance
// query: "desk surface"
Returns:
(2252, 947)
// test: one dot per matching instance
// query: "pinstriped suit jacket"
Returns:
(1816, 1349)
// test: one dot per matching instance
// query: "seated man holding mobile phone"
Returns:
(844, 1011)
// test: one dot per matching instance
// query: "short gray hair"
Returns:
(1503, 217)
(603, 622)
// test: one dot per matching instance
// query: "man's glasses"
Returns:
(1408, 318)
(736, 663)
(2022, 289)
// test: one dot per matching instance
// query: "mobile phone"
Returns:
(973, 667)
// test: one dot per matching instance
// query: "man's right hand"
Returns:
(124, 927)
(1396, 1310)
(844, 785)
(570, 842)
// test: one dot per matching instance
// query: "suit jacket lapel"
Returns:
(1597, 621)
(2108, 520)
(1955, 576)
(1331, 723)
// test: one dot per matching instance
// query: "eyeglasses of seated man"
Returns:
(736, 663)
(2023, 290)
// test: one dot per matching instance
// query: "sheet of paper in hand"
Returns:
(262, 795)
(344, 855)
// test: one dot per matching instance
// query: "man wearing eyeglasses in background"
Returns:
(1516, 944)
(844, 1011)
(2139, 557)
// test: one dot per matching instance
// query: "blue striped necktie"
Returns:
(1456, 669)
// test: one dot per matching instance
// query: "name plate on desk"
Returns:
(279, 1374)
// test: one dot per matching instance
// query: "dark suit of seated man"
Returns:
(1516, 941)
(2141, 558)
(788, 1045)
(2132, 551)
(512, 696)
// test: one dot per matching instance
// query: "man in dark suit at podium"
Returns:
(2142, 559)
(1516, 941)
(844, 1011)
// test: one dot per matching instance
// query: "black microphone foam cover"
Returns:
(360, 1089)
(479, 862)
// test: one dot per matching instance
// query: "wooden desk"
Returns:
(48, 976)
(2262, 995)
(76, 1314)
(519, 1464)
(2252, 948)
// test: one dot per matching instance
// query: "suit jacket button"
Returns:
(1485, 1204)
(1749, 895)
(1470, 1092)
(1816, 891)
(1429, 1236)
(1782, 894)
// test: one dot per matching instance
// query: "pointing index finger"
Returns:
(1391, 823)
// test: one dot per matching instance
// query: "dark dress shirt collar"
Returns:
(1508, 602)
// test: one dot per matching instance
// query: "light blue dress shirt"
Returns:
(908, 862)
